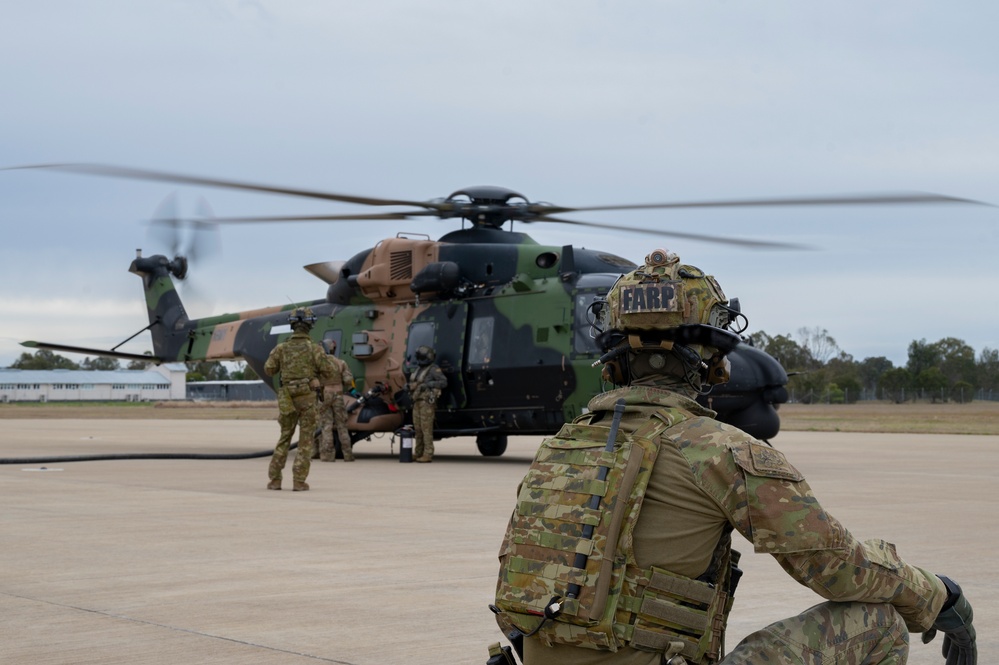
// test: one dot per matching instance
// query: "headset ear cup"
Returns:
(613, 373)
(719, 369)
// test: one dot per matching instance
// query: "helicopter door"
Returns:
(442, 327)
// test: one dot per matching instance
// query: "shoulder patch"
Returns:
(762, 460)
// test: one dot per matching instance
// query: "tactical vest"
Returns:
(618, 603)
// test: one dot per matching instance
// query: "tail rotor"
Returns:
(189, 241)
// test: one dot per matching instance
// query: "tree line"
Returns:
(818, 370)
(196, 371)
(943, 371)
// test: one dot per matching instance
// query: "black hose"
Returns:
(123, 456)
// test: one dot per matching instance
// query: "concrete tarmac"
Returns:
(194, 561)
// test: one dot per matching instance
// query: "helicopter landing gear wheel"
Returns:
(491, 445)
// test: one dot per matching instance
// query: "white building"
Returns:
(160, 382)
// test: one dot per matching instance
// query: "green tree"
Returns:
(205, 370)
(805, 380)
(244, 372)
(962, 392)
(932, 383)
(790, 354)
(870, 370)
(922, 356)
(101, 363)
(896, 384)
(43, 359)
(957, 360)
(987, 369)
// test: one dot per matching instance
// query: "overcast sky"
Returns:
(573, 102)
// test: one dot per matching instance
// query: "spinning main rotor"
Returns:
(491, 207)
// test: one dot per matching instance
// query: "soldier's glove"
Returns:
(954, 620)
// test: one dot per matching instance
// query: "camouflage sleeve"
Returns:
(435, 378)
(325, 368)
(273, 364)
(787, 521)
(346, 378)
(770, 503)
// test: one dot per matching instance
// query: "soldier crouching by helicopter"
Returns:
(425, 385)
(303, 365)
(620, 547)
(332, 411)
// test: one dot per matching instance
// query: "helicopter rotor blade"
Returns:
(720, 240)
(164, 226)
(843, 199)
(206, 239)
(386, 216)
(181, 179)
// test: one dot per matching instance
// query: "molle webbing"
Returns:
(547, 532)
(658, 608)
(298, 363)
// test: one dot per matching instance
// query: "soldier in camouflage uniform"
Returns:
(622, 554)
(425, 385)
(302, 364)
(333, 412)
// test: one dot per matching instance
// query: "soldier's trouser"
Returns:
(829, 633)
(332, 414)
(423, 423)
(302, 412)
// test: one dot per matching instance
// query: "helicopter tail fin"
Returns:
(168, 320)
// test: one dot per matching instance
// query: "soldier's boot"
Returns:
(275, 484)
(327, 456)
(425, 459)
(348, 454)
(300, 486)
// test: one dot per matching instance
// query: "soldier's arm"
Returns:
(273, 363)
(346, 378)
(325, 368)
(772, 505)
(870, 571)
(436, 379)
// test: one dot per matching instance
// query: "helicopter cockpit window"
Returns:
(480, 349)
(582, 338)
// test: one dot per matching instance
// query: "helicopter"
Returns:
(510, 319)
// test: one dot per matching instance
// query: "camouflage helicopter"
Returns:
(510, 319)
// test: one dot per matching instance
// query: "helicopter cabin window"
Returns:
(480, 351)
(583, 341)
(336, 336)
(420, 334)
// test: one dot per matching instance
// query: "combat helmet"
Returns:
(425, 355)
(662, 312)
(302, 318)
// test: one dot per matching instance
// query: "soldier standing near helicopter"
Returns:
(333, 413)
(620, 548)
(425, 385)
(302, 364)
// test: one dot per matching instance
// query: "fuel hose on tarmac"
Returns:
(123, 456)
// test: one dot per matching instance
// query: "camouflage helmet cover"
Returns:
(302, 316)
(663, 294)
